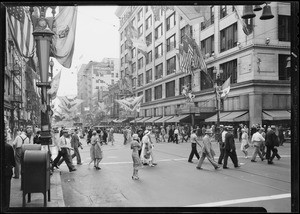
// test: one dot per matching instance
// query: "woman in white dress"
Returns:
(245, 142)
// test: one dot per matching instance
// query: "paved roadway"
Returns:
(176, 183)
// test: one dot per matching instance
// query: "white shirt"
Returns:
(223, 135)
(18, 141)
(63, 142)
(176, 131)
(257, 137)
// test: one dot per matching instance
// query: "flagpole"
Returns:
(217, 91)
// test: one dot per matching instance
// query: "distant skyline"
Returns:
(97, 37)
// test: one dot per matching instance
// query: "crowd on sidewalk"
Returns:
(142, 140)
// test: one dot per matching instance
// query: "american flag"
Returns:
(20, 28)
(244, 25)
(184, 60)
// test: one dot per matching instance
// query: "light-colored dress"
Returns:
(111, 135)
(145, 154)
(136, 146)
(244, 142)
(95, 150)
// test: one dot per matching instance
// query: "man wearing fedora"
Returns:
(221, 140)
(272, 142)
(194, 143)
(230, 150)
(206, 150)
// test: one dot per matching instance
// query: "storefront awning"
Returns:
(236, 116)
(214, 118)
(121, 120)
(143, 120)
(136, 120)
(152, 119)
(176, 119)
(163, 119)
(276, 115)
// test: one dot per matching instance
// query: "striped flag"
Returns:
(20, 28)
(244, 25)
(54, 86)
(184, 64)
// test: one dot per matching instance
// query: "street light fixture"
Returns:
(42, 32)
(218, 88)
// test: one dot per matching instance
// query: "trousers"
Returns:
(274, 153)
(77, 154)
(18, 154)
(194, 152)
(65, 154)
(208, 156)
(232, 156)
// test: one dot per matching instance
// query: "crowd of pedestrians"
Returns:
(264, 140)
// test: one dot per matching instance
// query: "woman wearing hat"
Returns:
(244, 142)
(206, 150)
(95, 150)
(137, 163)
(147, 153)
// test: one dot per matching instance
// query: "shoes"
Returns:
(145, 164)
(270, 162)
(225, 167)
(154, 164)
(98, 168)
(79, 163)
(71, 170)
(237, 166)
(135, 178)
(190, 161)
(217, 167)
(262, 159)
(253, 161)
(198, 167)
(279, 158)
(16, 177)
(220, 163)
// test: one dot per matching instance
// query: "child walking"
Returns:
(137, 163)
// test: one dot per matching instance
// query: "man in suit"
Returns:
(272, 142)
(230, 150)
(75, 144)
(221, 140)
(9, 163)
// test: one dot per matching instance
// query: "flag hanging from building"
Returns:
(225, 89)
(54, 86)
(190, 14)
(63, 41)
(184, 63)
(20, 28)
(70, 104)
(244, 25)
(130, 103)
(125, 84)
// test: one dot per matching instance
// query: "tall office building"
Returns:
(256, 62)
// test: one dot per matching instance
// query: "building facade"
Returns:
(93, 82)
(260, 82)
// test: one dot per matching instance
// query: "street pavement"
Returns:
(174, 182)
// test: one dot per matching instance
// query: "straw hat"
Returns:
(208, 131)
(146, 132)
(135, 137)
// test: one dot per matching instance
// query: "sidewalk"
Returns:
(37, 199)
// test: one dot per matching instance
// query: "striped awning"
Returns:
(152, 119)
(163, 119)
(176, 119)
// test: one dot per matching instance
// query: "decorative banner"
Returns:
(190, 14)
(244, 25)
(131, 103)
(63, 41)
(69, 104)
(188, 94)
(225, 89)
(54, 85)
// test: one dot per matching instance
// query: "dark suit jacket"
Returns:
(229, 142)
(75, 143)
(9, 161)
(271, 139)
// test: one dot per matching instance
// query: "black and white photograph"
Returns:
(155, 106)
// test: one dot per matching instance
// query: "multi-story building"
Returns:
(260, 82)
(94, 79)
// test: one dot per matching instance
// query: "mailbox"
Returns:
(23, 149)
(36, 174)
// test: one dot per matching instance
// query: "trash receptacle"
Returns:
(36, 167)
(23, 149)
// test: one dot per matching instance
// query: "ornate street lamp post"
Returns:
(218, 100)
(42, 32)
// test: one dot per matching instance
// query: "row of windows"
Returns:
(229, 70)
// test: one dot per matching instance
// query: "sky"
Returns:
(97, 37)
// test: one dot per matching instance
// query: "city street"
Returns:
(175, 182)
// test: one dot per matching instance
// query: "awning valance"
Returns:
(177, 119)
(143, 120)
(276, 115)
(236, 116)
(136, 120)
(152, 119)
(214, 118)
(163, 119)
